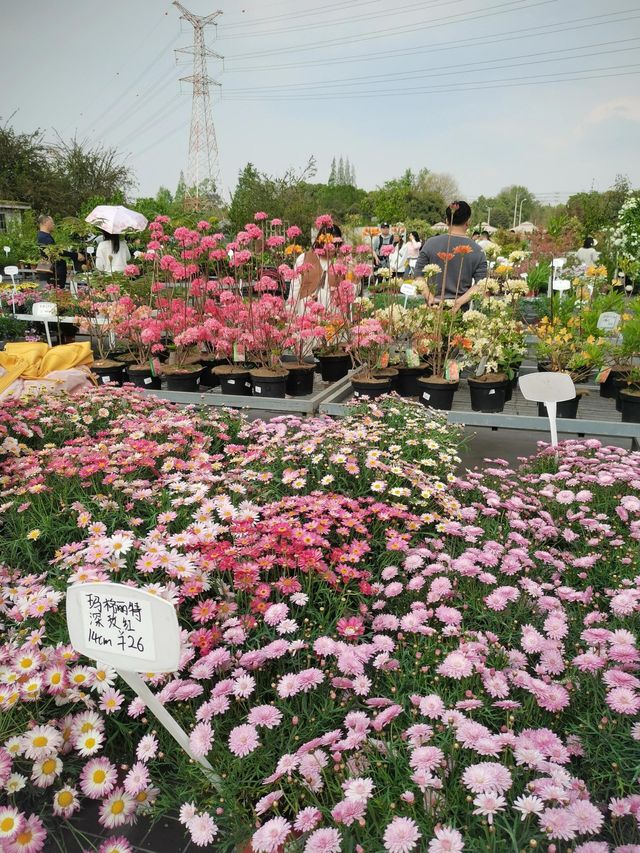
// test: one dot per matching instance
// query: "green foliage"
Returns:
(60, 179)
(11, 329)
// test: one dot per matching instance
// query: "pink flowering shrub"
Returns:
(363, 671)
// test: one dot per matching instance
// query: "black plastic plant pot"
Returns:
(630, 407)
(565, 409)
(407, 382)
(371, 387)
(234, 380)
(388, 373)
(142, 377)
(209, 378)
(334, 367)
(619, 382)
(187, 381)
(488, 397)
(300, 380)
(436, 395)
(110, 374)
(613, 384)
(265, 385)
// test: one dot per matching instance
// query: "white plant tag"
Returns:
(106, 379)
(257, 389)
(148, 380)
(482, 366)
(493, 391)
(408, 290)
(426, 396)
(231, 381)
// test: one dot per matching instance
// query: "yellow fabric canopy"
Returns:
(36, 360)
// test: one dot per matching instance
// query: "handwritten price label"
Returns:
(129, 628)
(113, 622)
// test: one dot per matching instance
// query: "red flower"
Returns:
(445, 256)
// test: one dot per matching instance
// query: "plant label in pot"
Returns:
(550, 389)
(608, 321)
(133, 631)
(408, 289)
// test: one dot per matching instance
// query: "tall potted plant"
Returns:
(369, 348)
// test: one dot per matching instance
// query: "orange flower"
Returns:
(463, 250)
(445, 256)
(293, 249)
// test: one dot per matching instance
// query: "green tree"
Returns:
(333, 174)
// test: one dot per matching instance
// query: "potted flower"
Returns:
(142, 332)
(369, 348)
(264, 338)
(440, 342)
(302, 330)
(99, 318)
(630, 397)
(618, 357)
(497, 347)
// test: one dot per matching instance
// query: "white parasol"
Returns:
(114, 218)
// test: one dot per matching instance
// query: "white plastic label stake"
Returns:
(550, 389)
(408, 289)
(133, 631)
(148, 380)
(257, 389)
(426, 396)
(608, 321)
(106, 379)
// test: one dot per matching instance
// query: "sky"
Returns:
(536, 92)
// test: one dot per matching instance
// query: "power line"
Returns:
(509, 35)
(156, 118)
(516, 6)
(433, 72)
(586, 74)
(297, 15)
(341, 21)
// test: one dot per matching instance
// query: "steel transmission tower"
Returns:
(203, 146)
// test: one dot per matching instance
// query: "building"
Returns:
(11, 212)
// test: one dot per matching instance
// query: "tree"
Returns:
(84, 173)
(599, 210)
(333, 174)
(59, 179)
(340, 177)
(505, 210)
(406, 198)
(181, 189)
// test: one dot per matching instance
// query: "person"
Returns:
(398, 258)
(485, 241)
(459, 283)
(316, 278)
(587, 255)
(49, 271)
(384, 238)
(414, 244)
(112, 254)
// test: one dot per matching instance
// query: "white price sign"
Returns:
(134, 631)
(126, 627)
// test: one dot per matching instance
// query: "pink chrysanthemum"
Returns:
(401, 835)
(271, 835)
(324, 841)
(243, 740)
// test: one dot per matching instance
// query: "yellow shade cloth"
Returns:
(36, 361)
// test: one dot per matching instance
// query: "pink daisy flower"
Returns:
(271, 835)
(202, 829)
(324, 841)
(307, 819)
(447, 840)
(401, 835)
(243, 740)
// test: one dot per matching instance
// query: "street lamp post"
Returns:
(520, 213)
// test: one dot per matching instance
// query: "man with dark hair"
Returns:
(458, 255)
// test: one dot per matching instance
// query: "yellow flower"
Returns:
(33, 534)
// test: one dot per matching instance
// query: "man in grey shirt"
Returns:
(464, 266)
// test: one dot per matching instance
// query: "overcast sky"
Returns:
(462, 86)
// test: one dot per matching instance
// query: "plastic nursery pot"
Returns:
(488, 395)
(619, 385)
(185, 379)
(109, 372)
(300, 379)
(630, 406)
(334, 366)
(269, 383)
(370, 386)
(407, 382)
(388, 373)
(234, 379)
(610, 387)
(544, 366)
(436, 393)
(209, 378)
(565, 409)
(142, 377)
